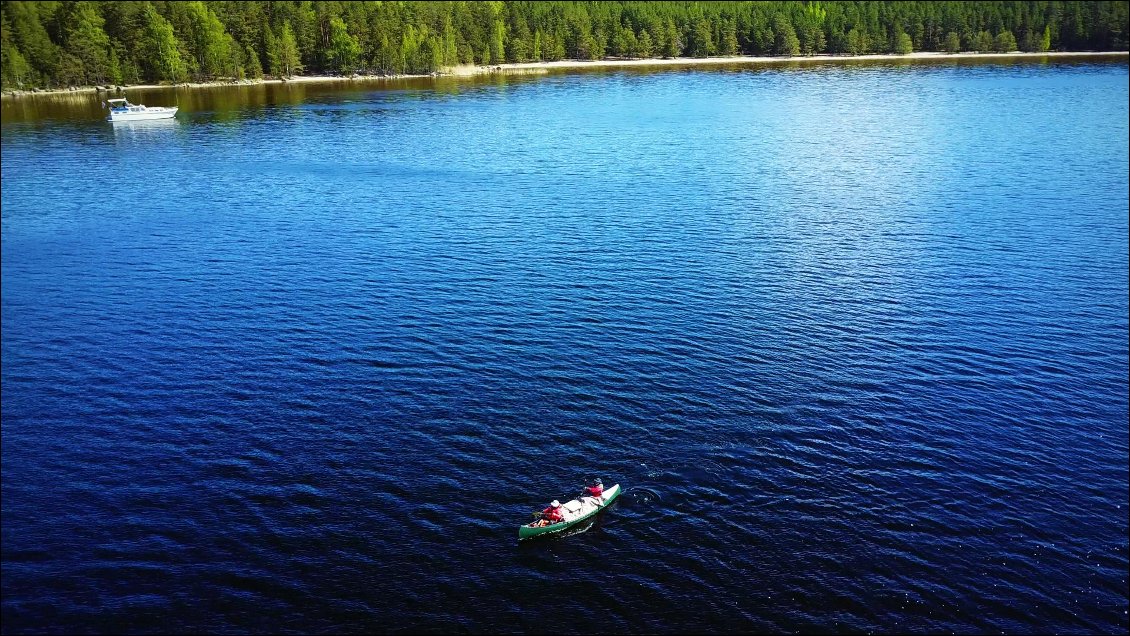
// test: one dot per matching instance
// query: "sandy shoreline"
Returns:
(744, 59)
(545, 67)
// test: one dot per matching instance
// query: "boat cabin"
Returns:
(122, 105)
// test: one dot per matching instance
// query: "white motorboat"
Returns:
(122, 110)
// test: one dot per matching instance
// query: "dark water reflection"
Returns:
(228, 103)
(854, 340)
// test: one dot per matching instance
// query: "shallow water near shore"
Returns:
(852, 338)
(232, 98)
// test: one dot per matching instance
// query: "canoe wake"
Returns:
(643, 496)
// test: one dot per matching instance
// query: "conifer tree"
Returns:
(903, 44)
(953, 42)
(786, 41)
(287, 53)
(161, 50)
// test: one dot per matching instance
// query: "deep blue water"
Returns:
(853, 339)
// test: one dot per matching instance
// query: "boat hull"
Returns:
(589, 506)
(150, 113)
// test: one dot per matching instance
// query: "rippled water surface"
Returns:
(853, 339)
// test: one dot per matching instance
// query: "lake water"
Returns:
(852, 338)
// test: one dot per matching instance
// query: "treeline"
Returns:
(53, 44)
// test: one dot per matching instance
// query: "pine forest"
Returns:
(62, 44)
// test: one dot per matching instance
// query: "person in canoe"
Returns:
(553, 514)
(595, 490)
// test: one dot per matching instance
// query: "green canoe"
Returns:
(576, 511)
